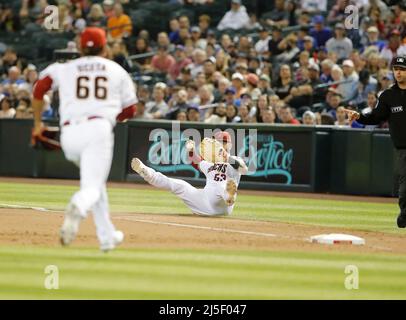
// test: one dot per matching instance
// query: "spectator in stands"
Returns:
(193, 113)
(278, 16)
(181, 116)
(9, 60)
(141, 114)
(231, 113)
(284, 83)
(178, 105)
(319, 32)
(373, 39)
(9, 20)
(142, 47)
(395, 47)
(340, 44)
(290, 49)
(196, 37)
(184, 22)
(119, 25)
(204, 25)
(385, 79)
(30, 77)
(326, 67)
(185, 76)
(252, 86)
(264, 84)
(174, 27)
(366, 84)
(262, 45)
(199, 58)
(274, 49)
(181, 61)
(237, 18)
(64, 17)
(309, 118)
(206, 96)
(6, 109)
(253, 23)
(341, 117)
(244, 46)
(162, 61)
(219, 115)
(243, 115)
(303, 63)
(96, 16)
(238, 82)
(268, 116)
(222, 61)
(333, 102)
(157, 108)
(143, 92)
(119, 55)
(287, 116)
(23, 109)
(14, 74)
(209, 68)
(108, 8)
(192, 94)
(261, 104)
(349, 88)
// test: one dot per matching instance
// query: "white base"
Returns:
(337, 238)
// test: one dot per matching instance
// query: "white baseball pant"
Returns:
(89, 144)
(207, 201)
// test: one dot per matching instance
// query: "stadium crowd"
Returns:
(296, 64)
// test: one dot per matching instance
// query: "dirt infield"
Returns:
(27, 227)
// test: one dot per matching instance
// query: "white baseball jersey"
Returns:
(91, 86)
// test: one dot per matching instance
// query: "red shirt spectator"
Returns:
(162, 61)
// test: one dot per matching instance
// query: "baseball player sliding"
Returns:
(222, 179)
(94, 93)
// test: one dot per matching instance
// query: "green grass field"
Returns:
(204, 274)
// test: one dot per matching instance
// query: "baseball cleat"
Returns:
(70, 225)
(140, 168)
(118, 238)
(401, 220)
(231, 190)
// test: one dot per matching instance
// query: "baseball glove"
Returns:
(212, 151)
(48, 139)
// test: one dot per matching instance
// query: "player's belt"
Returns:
(67, 123)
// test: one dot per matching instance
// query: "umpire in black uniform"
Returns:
(391, 107)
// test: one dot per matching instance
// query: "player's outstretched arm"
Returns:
(194, 158)
(238, 164)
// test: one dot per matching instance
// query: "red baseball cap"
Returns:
(222, 136)
(93, 37)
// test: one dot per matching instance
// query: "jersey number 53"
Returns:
(220, 177)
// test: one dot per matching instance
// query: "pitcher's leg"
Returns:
(101, 215)
(95, 163)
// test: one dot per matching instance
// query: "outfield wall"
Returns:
(289, 158)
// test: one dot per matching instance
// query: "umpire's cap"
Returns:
(93, 37)
(399, 61)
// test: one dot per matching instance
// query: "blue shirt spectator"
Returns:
(319, 32)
